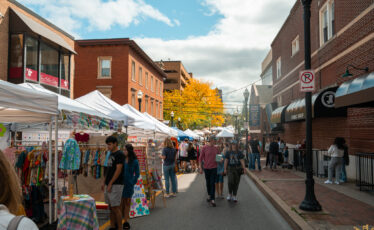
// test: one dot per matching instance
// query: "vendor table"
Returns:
(79, 213)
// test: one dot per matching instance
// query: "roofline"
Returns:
(285, 22)
(41, 18)
(122, 41)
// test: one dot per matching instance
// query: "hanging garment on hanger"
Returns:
(71, 156)
(82, 137)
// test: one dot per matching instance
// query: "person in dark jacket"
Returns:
(131, 172)
(273, 153)
(169, 157)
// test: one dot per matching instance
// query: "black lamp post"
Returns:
(310, 202)
(172, 118)
(246, 96)
(236, 114)
(140, 96)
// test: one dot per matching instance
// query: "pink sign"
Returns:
(64, 84)
(48, 79)
(31, 74)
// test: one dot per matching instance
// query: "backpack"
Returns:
(13, 224)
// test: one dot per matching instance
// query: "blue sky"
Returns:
(220, 41)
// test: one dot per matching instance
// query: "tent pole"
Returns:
(56, 165)
(50, 171)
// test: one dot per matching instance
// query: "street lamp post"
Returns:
(310, 202)
(246, 96)
(140, 96)
(172, 118)
(236, 114)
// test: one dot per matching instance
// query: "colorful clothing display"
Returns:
(10, 154)
(71, 156)
(82, 137)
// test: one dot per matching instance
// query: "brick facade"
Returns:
(352, 43)
(5, 6)
(120, 87)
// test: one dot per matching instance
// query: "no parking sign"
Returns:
(307, 81)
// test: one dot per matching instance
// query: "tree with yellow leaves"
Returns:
(198, 105)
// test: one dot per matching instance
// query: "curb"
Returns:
(293, 219)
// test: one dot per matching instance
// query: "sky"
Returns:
(220, 41)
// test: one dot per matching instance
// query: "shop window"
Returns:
(65, 73)
(15, 61)
(140, 76)
(279, 67)
(327, 22)
(146, 80)
(105, 66)
(31, 71)
(51, 88)
(133, 71)
(295, 45)
(49, 65)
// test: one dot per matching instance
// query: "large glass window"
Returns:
(105, 64)
(49, 65)
(15, 61)
(31, 71)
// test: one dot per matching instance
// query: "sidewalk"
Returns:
(343, 206)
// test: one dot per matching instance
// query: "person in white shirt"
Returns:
(10, 198)
(183, 154)
(336, 151)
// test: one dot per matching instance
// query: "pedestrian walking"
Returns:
(197, 147)
(114, 181)
(234, 168)
(255, 147)
(336, 151)
(208, 156)
(281, 151)
(192, 156)
(273, 153)
(183, 154)
(267, 146)
(220, 158)
(286, 153)
(131, 174)
(10, 199)
(169, 157)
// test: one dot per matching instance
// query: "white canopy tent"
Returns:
(225, 133)
(22, 105)
(192, 134)
(170, 131)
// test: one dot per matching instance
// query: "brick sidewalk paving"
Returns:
(339, 211)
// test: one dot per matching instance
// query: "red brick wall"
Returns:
(361, 128)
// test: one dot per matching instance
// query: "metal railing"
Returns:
(320, 161)
(365, 171)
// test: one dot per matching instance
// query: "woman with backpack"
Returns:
(336, 151)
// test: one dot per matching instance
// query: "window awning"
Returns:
(25, 23)
(323, 104)
(277, 116)
(356, 92)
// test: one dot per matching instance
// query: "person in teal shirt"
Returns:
(131, 172)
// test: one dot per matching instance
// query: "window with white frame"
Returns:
(156, 109)
(327, 21)
(295, 45)
(146, 104)
(279, 67)
(160, 110)
(161, 89)
(140, 76)
(133, 71)
(105, 64)
(156, 86)
(152, 83)
(146, 80)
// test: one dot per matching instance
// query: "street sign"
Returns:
(254, 115)
(307, 81)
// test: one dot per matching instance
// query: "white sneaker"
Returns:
(337, 182)
(167, 195)
(328, 182)
(235, 199)
(229, 197)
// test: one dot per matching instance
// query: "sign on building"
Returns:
(254, 115)
(307, 81)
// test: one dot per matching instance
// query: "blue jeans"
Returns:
(169, 174)
(256, 157)
(343, 174)
(210, 177)
(251, 163)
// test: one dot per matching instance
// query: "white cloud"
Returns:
(230, 55)
(99, 14)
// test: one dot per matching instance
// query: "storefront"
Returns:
(38, 55)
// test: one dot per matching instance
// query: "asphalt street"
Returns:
(189, 210)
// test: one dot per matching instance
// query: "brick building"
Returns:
(119, 68)
(34, 50)
(342, 34)
(178, 76)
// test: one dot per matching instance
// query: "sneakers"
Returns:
(235, 199)
(328, 182)
(213, 203)
(337, 182)
(229, 197)
(167, 195)
(173, 194)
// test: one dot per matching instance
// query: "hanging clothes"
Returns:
(71, 156)
(82, 137)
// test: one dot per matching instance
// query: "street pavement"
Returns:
(189, 210)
